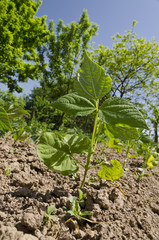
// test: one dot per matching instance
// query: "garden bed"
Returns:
(126, 209)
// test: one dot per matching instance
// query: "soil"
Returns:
(126, 209)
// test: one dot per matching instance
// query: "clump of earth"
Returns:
(122, 210)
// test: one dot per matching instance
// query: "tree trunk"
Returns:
(155, 132)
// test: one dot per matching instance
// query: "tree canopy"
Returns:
(22, 34)
(132, 63)
(63, 50)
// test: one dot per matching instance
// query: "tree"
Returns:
(63, 51)
(133, 65)
(22, 34)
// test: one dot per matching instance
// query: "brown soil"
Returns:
(127, 209)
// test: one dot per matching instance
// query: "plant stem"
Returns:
(128, 149)
(78, 162)
(92, 147)
(98, 165)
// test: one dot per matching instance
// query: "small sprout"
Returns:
(141, 174)
(76, 206)
(8, 170)
(48, 215)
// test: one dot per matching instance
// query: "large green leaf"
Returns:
(4, 120)
(55, 154)
(111, 172)
(123, 133)
(56, 151)
(117, 110)
(92, 81)
(75, 105)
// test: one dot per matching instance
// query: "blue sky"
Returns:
(112, 16)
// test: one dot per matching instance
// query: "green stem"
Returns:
(128, 149)
(92, 147)
(78, 162)
(98, 165)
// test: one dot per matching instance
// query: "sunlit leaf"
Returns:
(92, 82)
(75, 105)
(149, 161)
(117, 110)
(111, 173)
(123, 133)
(55, 154)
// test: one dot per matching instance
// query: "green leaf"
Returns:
(20, 135)
(132, 156)
(115, 143)
(117, 110)
(55, 154)
(146, 138)
(85, 213)
(123, 133)
(16, 111)
(79, 144)
(75, 105)
(4, 120)
(50, 209)
(149, 161)
(92, 82)
(111, 173)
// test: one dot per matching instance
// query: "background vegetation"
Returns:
(31, 49)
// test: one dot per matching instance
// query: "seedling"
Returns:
(76, 204)
(91, 84)
(8, 170)
(141, 174)
(48, 215)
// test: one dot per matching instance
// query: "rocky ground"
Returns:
(126, 209)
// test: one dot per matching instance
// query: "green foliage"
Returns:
(64, 49)
(55, 150)
(120, 111)
(92, 82)
(48, 215)
(111, 171)
(11, 115)
(115, 143)
(20, 135)
(22, 34)
(4, 120)
(76, 204)
(75, 105)
(123, 133)
(133, 65)
(8, 170)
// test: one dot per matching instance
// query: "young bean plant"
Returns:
(91, 84)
